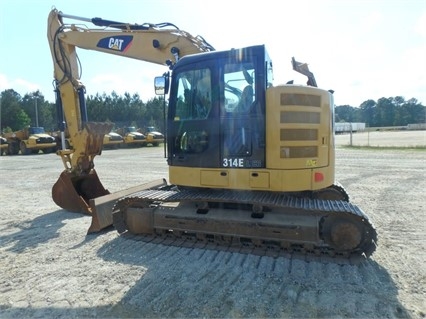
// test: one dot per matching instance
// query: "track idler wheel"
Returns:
(343, 234)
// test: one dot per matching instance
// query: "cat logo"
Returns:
(311, 163)
(118, 43)
(115, 44)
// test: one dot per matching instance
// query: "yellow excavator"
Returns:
(251, 165)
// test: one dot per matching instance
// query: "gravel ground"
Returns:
(50, 268)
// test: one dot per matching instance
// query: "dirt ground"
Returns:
(50, 268)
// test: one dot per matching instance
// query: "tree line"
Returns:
(32, 109)
(18, 112)
(392, 111)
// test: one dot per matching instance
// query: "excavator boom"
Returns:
(162, 44)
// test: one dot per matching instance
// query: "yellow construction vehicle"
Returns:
(112, 140)
(153, 137)
(131, 136)
(3, 145)
(30, 140)
(250, 164)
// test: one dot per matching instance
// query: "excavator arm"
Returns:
(161, 44)
(303, 68)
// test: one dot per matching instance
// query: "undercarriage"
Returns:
(253, 222)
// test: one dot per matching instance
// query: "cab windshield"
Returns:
(36, 130)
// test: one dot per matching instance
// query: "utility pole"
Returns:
(36, 111)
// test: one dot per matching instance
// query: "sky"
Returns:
(360, 49)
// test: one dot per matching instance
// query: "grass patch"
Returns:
(379, 148)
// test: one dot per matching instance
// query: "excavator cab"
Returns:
(213, 127)
(229, 128)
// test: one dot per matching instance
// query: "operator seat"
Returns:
(246, 99)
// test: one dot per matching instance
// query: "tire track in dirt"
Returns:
(221, 279)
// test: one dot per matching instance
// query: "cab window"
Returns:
(239, 87)
(194, 95)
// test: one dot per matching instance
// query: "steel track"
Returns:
(322, 210)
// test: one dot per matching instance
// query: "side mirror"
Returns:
(161, 84)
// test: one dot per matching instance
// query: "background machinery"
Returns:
(131, 136)
(153, 137)
(3, 145)
(250, 164)
(112, 140)
(30, 140)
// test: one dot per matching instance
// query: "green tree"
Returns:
(132, 108)
(39, 110)
(120, 110)
(392, 111)
(368, 113)
(347, 113)
(11, 113)
(386, 111)
(412, 112)
(23, 119)
(96, 108)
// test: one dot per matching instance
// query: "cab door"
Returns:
(194, 130)
(242, 119)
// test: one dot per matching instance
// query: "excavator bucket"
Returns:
(73, 193)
